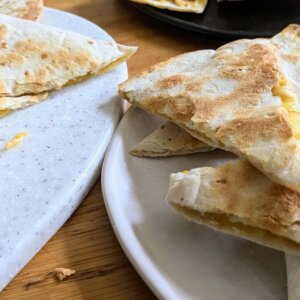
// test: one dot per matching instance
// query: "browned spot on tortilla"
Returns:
(171, 81)
(245, 131)
(11, 58)
(44, 55)
(257, 71)
(3, 31)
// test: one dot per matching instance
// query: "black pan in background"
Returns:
(250, 18)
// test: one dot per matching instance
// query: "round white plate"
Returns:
(177, 258)
(43, 180)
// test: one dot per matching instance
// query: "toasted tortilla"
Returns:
(238, 199)
(293, 276)
(35, 58)
(193, 6)
(167, 140)
(25, 9)
(9, 104)
(243, 98)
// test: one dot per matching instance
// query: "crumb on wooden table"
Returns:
(62, 273)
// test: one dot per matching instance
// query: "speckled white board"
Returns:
(43, 180)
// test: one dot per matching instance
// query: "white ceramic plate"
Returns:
(43, 180)
(177, 258)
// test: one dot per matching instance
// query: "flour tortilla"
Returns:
(25, 9)
(10, 104)
(167, 140)
(35, 58)
(238, 98)
(196, 6)
(238, 199)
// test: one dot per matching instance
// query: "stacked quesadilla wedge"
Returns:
(241, 98)
(36, 59)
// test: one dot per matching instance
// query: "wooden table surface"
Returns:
(87, 242)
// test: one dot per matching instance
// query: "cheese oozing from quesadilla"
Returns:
(238, 199)
(194, 6)
(243, 98)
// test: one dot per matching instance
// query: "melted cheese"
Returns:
(289, 100)
(185, 172)
(16, 140)
(4, 112)
(294, 118)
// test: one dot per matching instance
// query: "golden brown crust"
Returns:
(37, 58)
(238, 196)
(265, 125)
(221, 98)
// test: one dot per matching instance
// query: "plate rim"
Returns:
(133, 249)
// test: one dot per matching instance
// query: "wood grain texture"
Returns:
(86, 242)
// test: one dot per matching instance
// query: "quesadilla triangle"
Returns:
(193, 6)
(242, 97)
(35, 58)
(238, 199)
(293, 276)
(25, 9)
(167, 140)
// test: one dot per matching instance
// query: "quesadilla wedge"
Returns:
(293, 276)
(193, 6)
(25, 9)
(243, 98)
(35, 58)
(238, 199)
(167, 140)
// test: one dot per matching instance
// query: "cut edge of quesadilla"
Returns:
(167, 140)
(239, 200)
(197, 6)
(10, 104)
(223, 223)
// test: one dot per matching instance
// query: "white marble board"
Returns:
(44, 179)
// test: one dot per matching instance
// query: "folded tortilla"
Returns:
(9, 104)
(243, 98)
(193, 6)
(167, 140)
(36, 59)
(238, 199)
(25, 9)
(293, 276)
